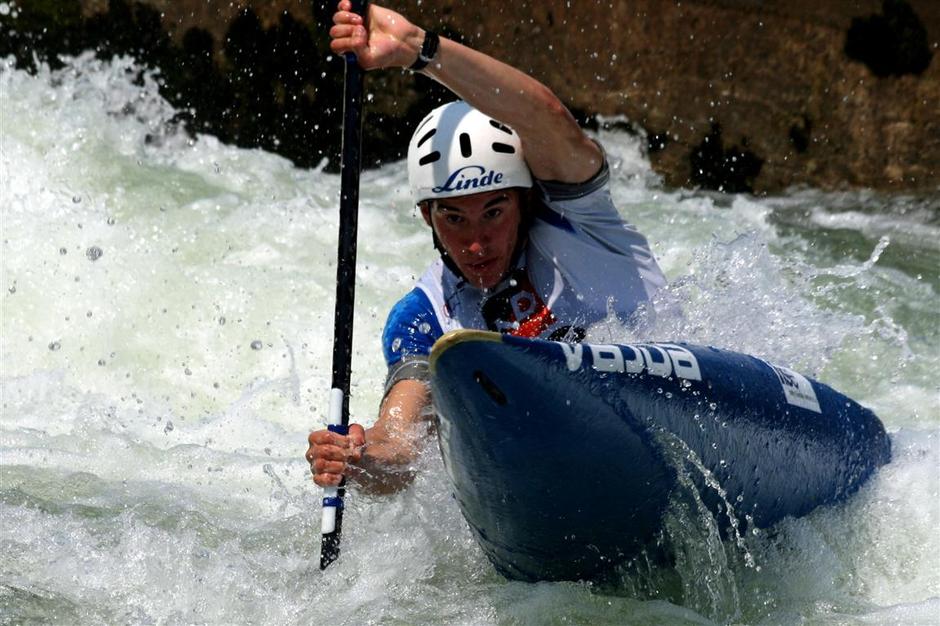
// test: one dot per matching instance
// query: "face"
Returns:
(478, 232)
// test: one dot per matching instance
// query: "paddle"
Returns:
(338, 418)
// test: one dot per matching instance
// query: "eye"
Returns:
(453, 218)
(493, 213)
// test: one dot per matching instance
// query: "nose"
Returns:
(477, 241)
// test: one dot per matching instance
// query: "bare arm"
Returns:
(554, 145)
(378, 460)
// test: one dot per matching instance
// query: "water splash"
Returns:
(116, 518)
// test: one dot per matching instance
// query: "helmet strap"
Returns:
(448, 261)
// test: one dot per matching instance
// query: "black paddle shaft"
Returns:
(346, 261)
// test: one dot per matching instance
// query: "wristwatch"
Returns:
(428, 50)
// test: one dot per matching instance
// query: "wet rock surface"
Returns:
(734, 95)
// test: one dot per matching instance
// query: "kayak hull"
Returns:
(562, 457)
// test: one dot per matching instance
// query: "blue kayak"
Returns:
(559, 453)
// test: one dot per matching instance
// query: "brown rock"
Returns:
(771, 80)
(733, 94)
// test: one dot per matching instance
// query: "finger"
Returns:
(327, 480)
(357, 36)
(330, 453)
(344, 5)
(326, 438)
(346, 18)
(362, 53)
(323, 466)
(342, 31)
(313, 454)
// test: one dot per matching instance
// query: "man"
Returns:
(517, 199)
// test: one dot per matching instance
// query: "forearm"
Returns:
(396, 440)
(494, 87)
(555, 146)
(386, 463)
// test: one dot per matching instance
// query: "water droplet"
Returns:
(188, 371)
(55, 345)
(256, 344)
(76, 199)
(424, 327)
(12, 289)
(111, 221)
(63, 251)
(168, 427)
(94, 253)
(222, 321)
(101, 362)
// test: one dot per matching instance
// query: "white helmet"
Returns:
(457, 150)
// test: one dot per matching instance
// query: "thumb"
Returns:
(357, 436)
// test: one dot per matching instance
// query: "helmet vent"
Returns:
(430, 158)
(504, 148)
(501, 127)
(426, 137)
(465, 148)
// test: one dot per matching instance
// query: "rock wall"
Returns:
(739, 95)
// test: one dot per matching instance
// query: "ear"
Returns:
(426, 212)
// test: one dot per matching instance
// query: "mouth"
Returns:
(481, 266)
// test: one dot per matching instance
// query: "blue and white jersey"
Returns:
(581, 262)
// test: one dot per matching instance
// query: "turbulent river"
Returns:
(167, 310)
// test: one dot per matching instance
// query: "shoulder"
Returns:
(412, 327)
(554, 192)
(564, 205)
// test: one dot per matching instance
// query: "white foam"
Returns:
(168, 484)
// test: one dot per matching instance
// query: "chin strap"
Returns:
(449, 262)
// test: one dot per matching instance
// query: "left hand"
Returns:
(384, 39)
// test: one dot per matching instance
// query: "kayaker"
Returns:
(518, 201)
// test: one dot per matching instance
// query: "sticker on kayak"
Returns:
(797, 388)
(664, 359)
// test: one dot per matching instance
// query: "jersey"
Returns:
(580, 263)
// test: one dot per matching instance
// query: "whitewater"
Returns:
(167, 311)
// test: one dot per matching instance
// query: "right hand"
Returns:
(383, 39)
(332, 456)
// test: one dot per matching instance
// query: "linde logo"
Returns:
(469, 177)
(664, 359)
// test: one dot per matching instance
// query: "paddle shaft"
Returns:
(332, 521)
